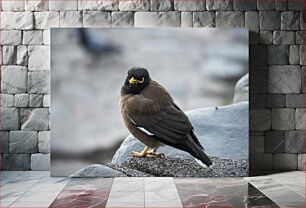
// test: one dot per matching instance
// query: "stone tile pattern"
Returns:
(277, 125)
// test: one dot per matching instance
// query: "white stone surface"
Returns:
(32, 37)
(186, 19)
(7, 22)
(24, 20)
(13, 79)
(97, 19)
(11, 37)
(63, 5)
(157, 19)
(21, 100)
(22, 55)
(194, 5)
(6, 100)
(38, 82)
(46, 37)
(134, 5)
(40, 161)
(23, 142)
(13, 5)
(9, 55)
(39, 58)
(71, 19)
(98, 5)
(44, 141)
(46, 101)
(36, 5)
(36, 119)
(45, 20)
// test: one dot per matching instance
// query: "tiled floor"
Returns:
(37, 190)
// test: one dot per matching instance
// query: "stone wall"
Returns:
(276, 68)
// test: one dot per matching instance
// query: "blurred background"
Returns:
(198, 66)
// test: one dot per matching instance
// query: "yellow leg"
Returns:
(143, 153)
(153, 152)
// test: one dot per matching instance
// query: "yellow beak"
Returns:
(134, 81)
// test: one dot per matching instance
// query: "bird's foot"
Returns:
(139, 154)
(153, 153)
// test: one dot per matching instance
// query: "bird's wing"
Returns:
(165, 122)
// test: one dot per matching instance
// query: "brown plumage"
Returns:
(151, 115)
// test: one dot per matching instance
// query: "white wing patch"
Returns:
(142, 129)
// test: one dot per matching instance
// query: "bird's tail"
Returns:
(199, 154)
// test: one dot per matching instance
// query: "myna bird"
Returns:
(151, 115)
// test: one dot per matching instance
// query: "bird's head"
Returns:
(137, 79)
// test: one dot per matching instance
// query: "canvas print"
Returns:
(149, 102)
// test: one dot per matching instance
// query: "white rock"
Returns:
(122, 19)
(10, 119)
(36, 120)
(134, 5)
(7, 22)
(45, 20)
(97, 19)
(23, 142)
(36, 5)
(39, 58)
(24, 20)
(186, 19)
(46, 101)
(6, 100)
(98, 5)
(39, 82)
(32, 37)
(46, 37)
(63, 5)
(21, 100)
(242, 89)
(44, 141)
(13, 5)
(9, 55)
(22, 55)
(13, 79)
(11, 37)
(40, 161)
(157, 19)
(71, 19)
(36, 100)
(97, 170)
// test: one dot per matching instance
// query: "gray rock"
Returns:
(23, 142)
(242, 89)
(36, 120)
(299, 119)
(295, 100)
(247, 5)
(40, 161)
(24, 20)
(97, 170)
(229, 19)
(44, 141)
(14, 79)
(22, 55)
(11, 37)
(276, 100)
(297, 5)
(32, 37)
(294, 54)
(16, 162)
(222, 5)
(98, 5)
(302, 20)
(63, 5)
(205, 122)
(6, 100)
(290, 75)
(265, 5)
(187, 167)
(21, 100)
(161, 5)
(10, 119)
(283, 118)
(294, 141)
(278, 54)
(9, 55)
(269, 20)
(290, 20)
(281, 5)
(266, 37)
(186, 19)
(251, 21)
(261, 161)
(4, 141)
(134, 5)
(301, 162)
(204, 19)
(157, 19)
(37, 5)
(283, 37)
(39, 58)
(97, 19)
(260, 120)
(256, 144)
(274, 142)
(46, 20)
(122, 19)
(299, 37)
(36, 100)
(285, 162)
(185, 6)
(71, 19)
(38, 82)
(302, 57)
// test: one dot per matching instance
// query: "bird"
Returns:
(151, 115)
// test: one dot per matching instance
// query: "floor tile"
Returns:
(89, 184)
(125, 200)
(125, 184)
